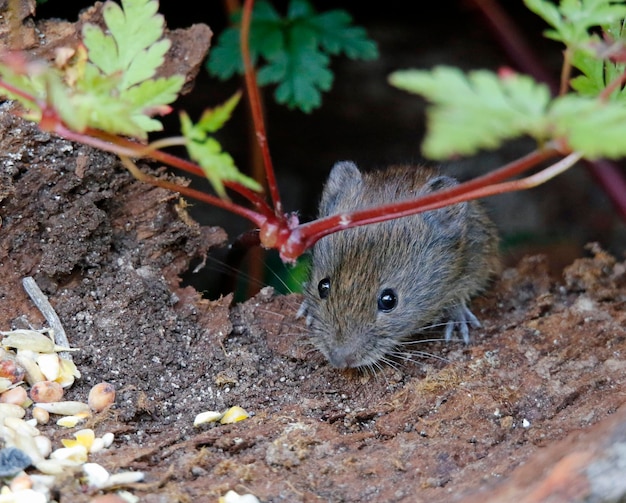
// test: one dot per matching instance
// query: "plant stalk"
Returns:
(255, 106)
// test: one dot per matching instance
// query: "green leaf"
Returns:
(476, 111)
(218, 166)
(152, 94)
(122, 64)
(572, 19)
(336, 36)
(134, 28)
(294, 50)
(225, 57)
(593, 127)
(301, 72)
(597, 70)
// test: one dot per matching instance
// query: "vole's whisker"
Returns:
(411, 357)
(412, 342)
(379, 366)
(279, 278)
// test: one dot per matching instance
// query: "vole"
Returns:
(371, 288)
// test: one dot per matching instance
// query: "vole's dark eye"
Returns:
(323, 287)
(388, 300)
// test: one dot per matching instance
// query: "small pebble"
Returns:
(13, 461)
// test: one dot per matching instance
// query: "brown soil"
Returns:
(529, 411)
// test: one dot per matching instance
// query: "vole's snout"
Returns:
(342, 357)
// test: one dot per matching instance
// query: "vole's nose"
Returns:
(342, 358)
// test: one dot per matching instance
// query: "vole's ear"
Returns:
(344, 180)
(449, 217)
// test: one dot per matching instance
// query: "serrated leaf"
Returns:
(299, 9)
(126, 59)
(151, 94)
(145, 64)
(596, 74)
(213, 119)
(593, 127)
(218, 166)
(591, 82)
(295, 49)
(134, 28)
(225, 57)
(304, 71)
(133, 47)
(299, 88)
(572, 19)
(102, 49)
(476, 111)
(336, 36)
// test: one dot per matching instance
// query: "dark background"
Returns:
(366, 120)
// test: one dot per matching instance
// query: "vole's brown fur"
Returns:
(431, 264)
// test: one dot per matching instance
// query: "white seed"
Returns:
(26, 359)
(54, 466)
(5, 384)
(28, 339)
(75, 455)
(27, 444)
(97, 445)
(97, 476)
(67, 408)
(43, 483)
(210, 416)
(41, 415)
(233, 497)
(27, 496)
(68, 373)
(10, 410)
(49, 365)
(20, 426)
(101, 396)
(124, 478)
(44, 445)
(108, 438)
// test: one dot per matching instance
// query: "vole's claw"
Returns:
(303, 311)
(460, 318)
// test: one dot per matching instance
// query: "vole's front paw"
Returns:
(460, 318)
(303, 311)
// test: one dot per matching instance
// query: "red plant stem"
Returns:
(17, 92)
(255, 106)
(607, 173)
(618, 83)
(482, 186)
(130, 150)
(122, 146)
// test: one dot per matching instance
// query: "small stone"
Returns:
(13, 461)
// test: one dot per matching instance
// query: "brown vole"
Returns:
(373, 287)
